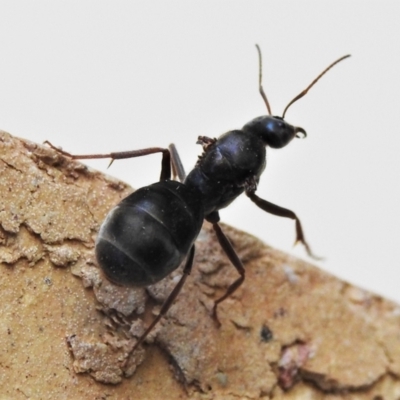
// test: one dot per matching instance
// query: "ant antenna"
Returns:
(304, 92)
(263, 95)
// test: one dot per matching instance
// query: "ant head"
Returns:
(274, 131)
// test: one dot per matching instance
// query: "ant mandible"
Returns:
(150, 232)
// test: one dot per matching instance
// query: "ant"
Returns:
(150, 232)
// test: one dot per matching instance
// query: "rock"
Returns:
(290, 331)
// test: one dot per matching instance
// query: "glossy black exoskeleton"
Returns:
(149, 233)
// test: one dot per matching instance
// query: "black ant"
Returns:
(150, 232)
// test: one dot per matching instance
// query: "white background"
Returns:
(101, 76)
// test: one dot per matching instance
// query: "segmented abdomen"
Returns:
(148, 234)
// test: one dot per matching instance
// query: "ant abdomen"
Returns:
(149, 233)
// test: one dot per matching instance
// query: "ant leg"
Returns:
(177, 166)
(171, 298)
(282, 212)
(234, 259)
(165, 162)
